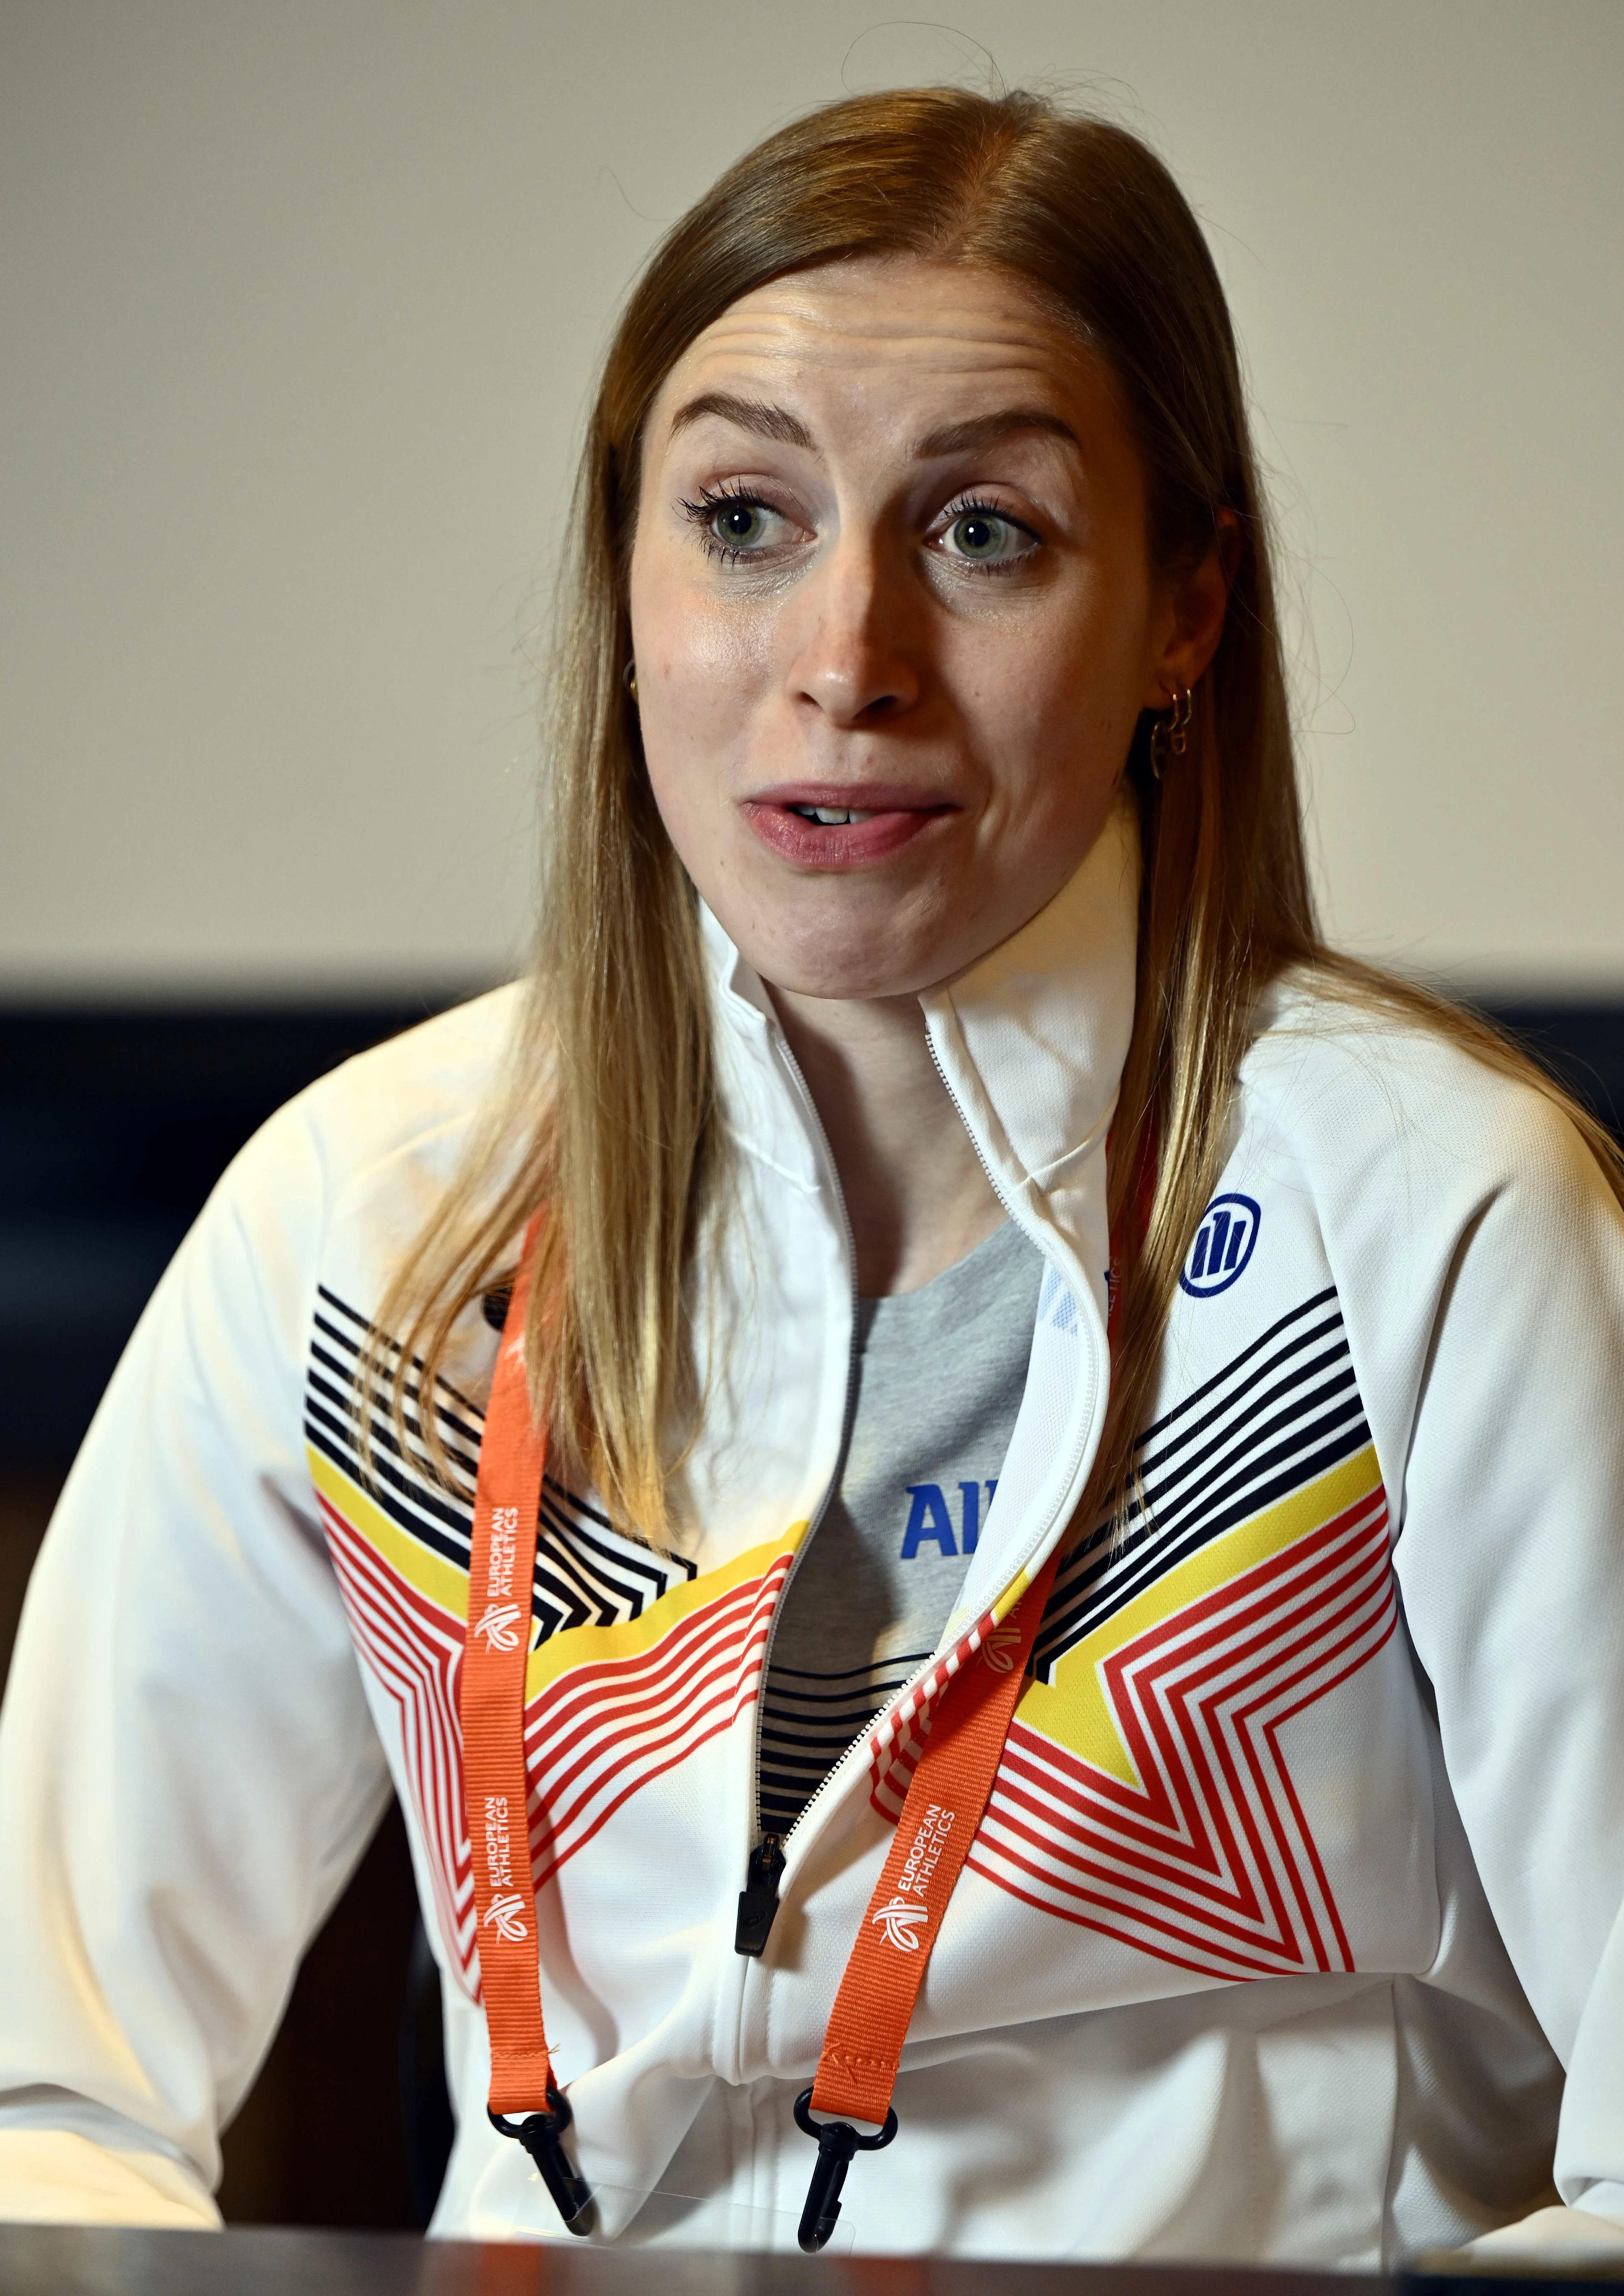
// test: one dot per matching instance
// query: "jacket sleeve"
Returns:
(1511, 1559)
(188, 1770)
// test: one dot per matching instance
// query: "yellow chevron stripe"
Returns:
(593, 1645)
(437, 1580)
(1073, 1710)
(446, 1585)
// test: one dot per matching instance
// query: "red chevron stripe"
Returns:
(617, 1724)
(715, 1674)
(1359, 1627)
(1112, 1909)
(415, 1652)
(1215, 1677)
(436, 1642)
(626, 1690)
(1209, 1862)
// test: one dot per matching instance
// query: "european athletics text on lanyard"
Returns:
(496, 1784)
(952, 1780)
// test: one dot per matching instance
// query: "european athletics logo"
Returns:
(1224, 1243)
(901, 1919)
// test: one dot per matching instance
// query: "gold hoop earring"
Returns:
(628, 678)
(1171, 735)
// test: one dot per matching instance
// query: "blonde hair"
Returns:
(611, 1119)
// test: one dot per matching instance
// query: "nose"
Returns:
(856, 660)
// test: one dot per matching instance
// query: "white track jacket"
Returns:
(1288, 1934)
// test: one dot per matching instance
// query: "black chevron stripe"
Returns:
(808, 1721)
(1280, 1413)
(586, 1573)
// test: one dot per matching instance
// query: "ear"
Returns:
(1191, 620)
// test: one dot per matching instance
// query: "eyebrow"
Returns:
(986, 429)
(746, 414)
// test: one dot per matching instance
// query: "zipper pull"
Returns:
(759, 1899)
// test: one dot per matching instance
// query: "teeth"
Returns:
(831, 817)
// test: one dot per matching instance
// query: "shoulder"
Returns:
(1473, 1242)
(323, 1200)
(355, 1163)
(417, 1096)
(1389, 1102)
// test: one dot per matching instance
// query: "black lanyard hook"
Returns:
(837, 2141)
(542, 2135)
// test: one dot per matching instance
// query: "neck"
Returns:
(916, 1195)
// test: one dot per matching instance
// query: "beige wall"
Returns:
(301, 298)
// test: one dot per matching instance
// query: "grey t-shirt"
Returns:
(938, 1381)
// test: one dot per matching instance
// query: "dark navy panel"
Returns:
(114, 1125)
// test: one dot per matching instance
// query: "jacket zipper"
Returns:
(1081, 1445)
(835, 1777)
(759, 1899)
(958, 1110)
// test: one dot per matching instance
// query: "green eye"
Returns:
(739, 524)
(981, 538)
(732, 526)
(977, 536)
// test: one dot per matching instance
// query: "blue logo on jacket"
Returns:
(1223, 1246)
(928, 1517)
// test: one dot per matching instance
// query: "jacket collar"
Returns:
(1030, 1040)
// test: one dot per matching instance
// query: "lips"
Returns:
(821, 825)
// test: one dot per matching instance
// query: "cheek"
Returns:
(1053, 716)
(699, 672)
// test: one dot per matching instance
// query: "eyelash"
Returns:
(978, 506)
(732, 490)
(713, 498)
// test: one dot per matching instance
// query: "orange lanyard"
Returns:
(496, 1783)
(868, 2024)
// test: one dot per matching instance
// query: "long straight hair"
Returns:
(610, 1121)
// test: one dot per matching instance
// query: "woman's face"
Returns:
(890, 566)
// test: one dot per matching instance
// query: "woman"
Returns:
(1070, 1435)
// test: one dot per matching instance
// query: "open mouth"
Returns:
(822, 836)
(824, 828)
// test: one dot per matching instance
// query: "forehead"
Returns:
(896, 333)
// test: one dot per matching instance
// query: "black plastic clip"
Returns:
(837, 2141)
(542, 2135)
(759, 1899)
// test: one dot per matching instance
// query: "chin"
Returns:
(852, 939)
(847, 985)
(847, 971)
